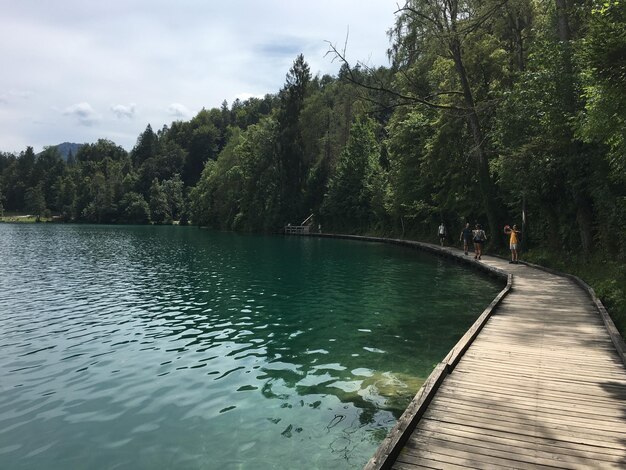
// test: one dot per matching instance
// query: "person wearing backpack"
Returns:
(479, 240)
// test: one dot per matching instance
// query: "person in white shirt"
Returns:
(442, 233)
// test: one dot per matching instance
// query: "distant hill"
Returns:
(66, 147)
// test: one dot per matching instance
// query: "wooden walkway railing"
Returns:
(297, 229)
(541, 386)
(303, 229)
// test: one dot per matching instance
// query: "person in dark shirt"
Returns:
(466, 237)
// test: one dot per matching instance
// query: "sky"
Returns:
(80, 70)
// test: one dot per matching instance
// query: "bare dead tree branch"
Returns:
(381, 88)
(448, 13)
(475, 24)
(419, 14)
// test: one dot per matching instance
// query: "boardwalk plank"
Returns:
(602, 370)
(415, 463)
(592, 375)
(555, 417)
(602, 388)
(497, 354)
(582, 409)
(469, 457)
(521, 442)
(600, 397)
(544, 431)
(523, 458)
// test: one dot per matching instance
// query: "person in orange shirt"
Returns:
(513, 242)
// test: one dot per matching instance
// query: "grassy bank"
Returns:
(15, 217)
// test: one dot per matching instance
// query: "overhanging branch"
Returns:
(380, 88)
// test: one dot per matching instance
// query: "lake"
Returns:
(175, 347)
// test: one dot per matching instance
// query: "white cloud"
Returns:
(83, 112)
(121, 111)
(178, 110)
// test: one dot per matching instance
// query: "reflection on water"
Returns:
(173, 347)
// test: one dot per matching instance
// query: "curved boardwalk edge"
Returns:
(554, 388)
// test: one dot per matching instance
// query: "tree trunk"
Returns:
(552, 235)
(562, 21)
(564, 34)
(584, 210)
(584, 218)
(517, 25)
(484, 178)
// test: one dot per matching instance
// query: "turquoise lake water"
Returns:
(175, 347)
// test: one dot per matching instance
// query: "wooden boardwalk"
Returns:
(541, 386)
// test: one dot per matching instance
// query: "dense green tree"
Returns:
(292, 159)
(603, 119)
(202, 144)
(2, 199)
(260, 203)
(564, 179)
(48, 168)
(147, 147)
(135, 209)
(66, 197)
(25, 167)
(251, 111)
(6, 160)
(102, 149)
(603, 56)
(103, 205)
(240, 190)
(173, 189)
(325, 121)
(13, 186)
(35, 201)
(166, 159)
(18, 177)
(410, 203)
(160, 211)
(200, 198)
(349, 202)
(71, 159)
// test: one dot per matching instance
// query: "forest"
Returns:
(488, 110)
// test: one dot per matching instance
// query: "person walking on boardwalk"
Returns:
(442, 233)
(466, 237)
(479, 240)
(513, 242)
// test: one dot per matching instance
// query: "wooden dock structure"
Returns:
(303, 229)
(540, 382)
(296, 229)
